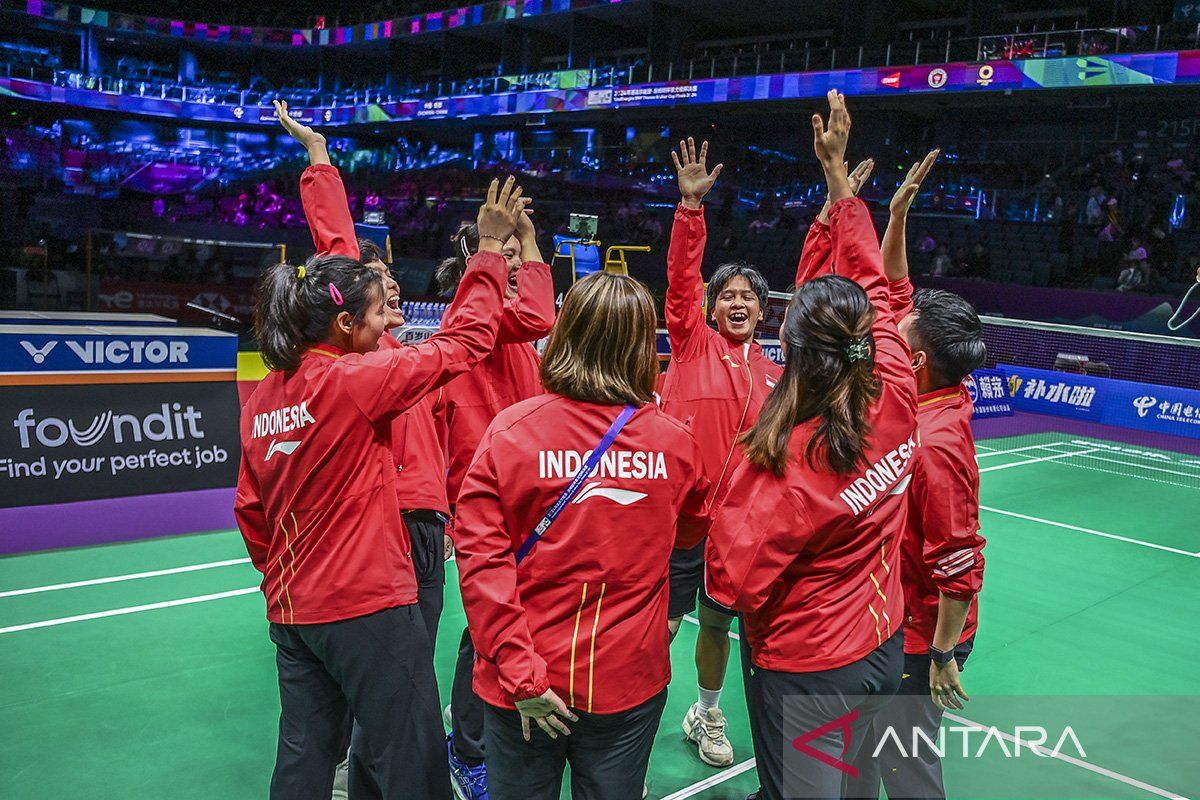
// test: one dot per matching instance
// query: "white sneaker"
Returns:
(708, 732)
(447, 719)
(340, 779)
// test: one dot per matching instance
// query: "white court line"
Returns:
(1038, 460)
(1043, 751)
(133, 576)
(1130, 464)
(116, 612)
(984, 448)
(1021, 449)
(1090, 531)
(712, 780)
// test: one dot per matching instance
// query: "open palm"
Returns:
(907, 191)
(301, 133)
(694, 178)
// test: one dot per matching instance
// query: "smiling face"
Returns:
(737, 309)
(391, 293)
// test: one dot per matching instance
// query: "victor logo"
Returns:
(38, 354)
(173, 422)
(1144, 403)
(115, 351)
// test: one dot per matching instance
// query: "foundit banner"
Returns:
(1127, 404)
(61, 444)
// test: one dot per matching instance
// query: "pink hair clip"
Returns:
(336, 295)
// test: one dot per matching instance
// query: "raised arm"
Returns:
(816, 257)
(321, 192)
(895, 242)
(855, 245)
(530, 315)
(684, 308)
(386, 382)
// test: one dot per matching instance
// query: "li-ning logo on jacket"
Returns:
(281, 420)
(622, 496)
(287, 448)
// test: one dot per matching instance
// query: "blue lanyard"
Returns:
(576, 482)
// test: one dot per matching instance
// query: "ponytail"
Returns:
(829, 377)
(449, 271)
(295, 306)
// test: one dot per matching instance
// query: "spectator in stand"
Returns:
(960, 259)
(1136, 272)
(926, 244)
(943, 266)
(1094, 212)
(979, 263)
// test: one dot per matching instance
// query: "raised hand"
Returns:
(861, 174)
(527, 234)
(301, 133)
(829, 141)
(497, 220)
(906, 193)
(694, 178)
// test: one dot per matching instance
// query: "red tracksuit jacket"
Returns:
(509, 374)
(416, 447)
(714, 384)
(316, 495)
(812, 557)
(586, 612)
(942, 551)
(816, 257)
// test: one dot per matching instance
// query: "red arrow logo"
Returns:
(842, 724)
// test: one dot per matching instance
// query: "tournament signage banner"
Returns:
(172, 299)
(1128, 404)
(46, 348)
(61, 444)
(1003, 75)
(988, 389)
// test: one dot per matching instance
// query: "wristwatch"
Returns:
(940, 657)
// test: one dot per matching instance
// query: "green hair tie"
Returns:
(858, 350)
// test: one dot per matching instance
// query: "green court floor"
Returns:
(144, 669)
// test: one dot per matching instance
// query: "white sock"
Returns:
(709, 698)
